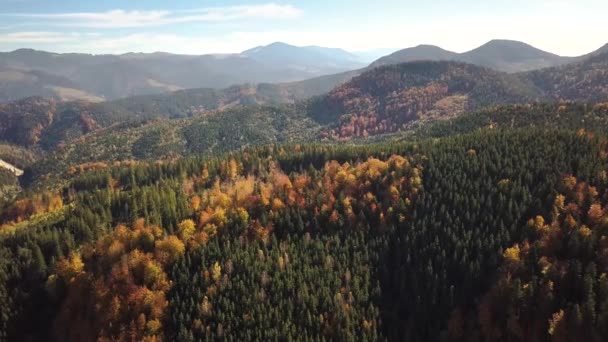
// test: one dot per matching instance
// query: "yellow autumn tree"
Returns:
(595, 213)
(555, 321)
(195, 203)
(216, 271)
(186, 229)
(512, 255)
(70, 267)
(169, 249)
(233, 169)
(277, 204)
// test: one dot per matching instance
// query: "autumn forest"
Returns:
(421, 200)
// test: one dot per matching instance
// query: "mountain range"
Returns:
(365, 105)
(96, 78)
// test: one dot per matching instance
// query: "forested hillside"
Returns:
(16, 83)
(235, 129)
(584, 81)
(163, 139)
(47, 123)
(388, 98)
(385, 99)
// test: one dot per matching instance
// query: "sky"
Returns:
(567, 28)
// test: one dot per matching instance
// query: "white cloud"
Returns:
(263, 11)
(35, 37)
(556, 30)
(114, 18)
(463, 37)
(127, 19)
(151, 42)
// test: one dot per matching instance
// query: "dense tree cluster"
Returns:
(553, 285)
(22, 209)
(592, 118)
(584, 81)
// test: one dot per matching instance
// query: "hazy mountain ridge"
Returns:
(116, 76)
(15, 82)
(97, 77)
(314, 59)
(499, 54)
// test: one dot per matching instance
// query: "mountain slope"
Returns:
(47, 123)
(212, 133)
(603, 49)
(369, 56)
(14, 83)
(27, 72)
(386, 99)
(582, 81)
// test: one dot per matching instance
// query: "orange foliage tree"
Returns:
(116, 289)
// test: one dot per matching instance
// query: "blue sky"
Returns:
(198, 27)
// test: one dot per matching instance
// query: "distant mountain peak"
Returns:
(505, 42)
(416, 53)
(29, 51)
(280, 44)
(271, 46)
(510, 44)
(310, 58)
(426, 46)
